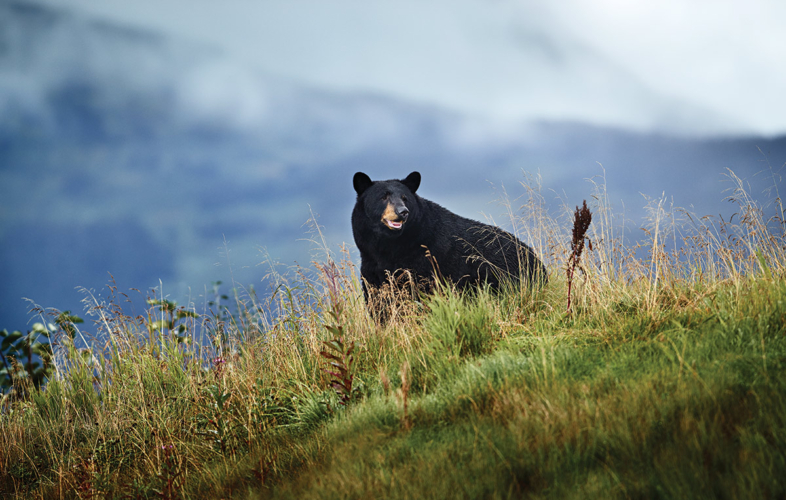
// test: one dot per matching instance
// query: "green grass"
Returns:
(665, 381)
(685, 404)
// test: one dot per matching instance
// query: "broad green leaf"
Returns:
(10, 339)
(336, 331)
(186, 314)
(337, 345)
(66, 317)
(159, 325)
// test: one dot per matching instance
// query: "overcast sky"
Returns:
(692, 66)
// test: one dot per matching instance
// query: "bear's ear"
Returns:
(412, 181)
(361, 182)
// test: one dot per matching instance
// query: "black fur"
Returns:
(466, 252)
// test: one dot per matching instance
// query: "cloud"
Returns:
(681, 65)
(723, 55)
(224, 90)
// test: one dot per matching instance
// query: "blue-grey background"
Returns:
(172, 144)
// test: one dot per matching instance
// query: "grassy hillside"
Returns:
(665, 380)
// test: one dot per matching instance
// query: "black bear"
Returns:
(397, 232)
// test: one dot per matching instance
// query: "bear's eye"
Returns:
(404, 199)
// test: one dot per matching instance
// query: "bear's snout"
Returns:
(395, 215)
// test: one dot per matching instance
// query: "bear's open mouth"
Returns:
(392, 224)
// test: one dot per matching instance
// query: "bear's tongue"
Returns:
(393, 224)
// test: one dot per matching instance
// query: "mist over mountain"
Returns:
(164, 163)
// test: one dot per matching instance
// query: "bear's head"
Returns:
(388, 205)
